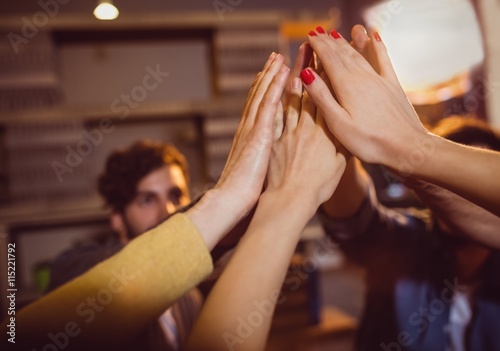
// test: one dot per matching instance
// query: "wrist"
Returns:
(413, 155)
(279, 201)
(215, 214)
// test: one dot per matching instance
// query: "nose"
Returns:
(164, 211)
(170, 207)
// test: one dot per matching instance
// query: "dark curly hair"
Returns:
(126, 167)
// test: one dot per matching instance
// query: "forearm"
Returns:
(469, 172)
(215, 214)
(462, 217)
(350, 193)
(253, 277)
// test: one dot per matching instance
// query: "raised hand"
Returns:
(372, 117)
(304, 170)
(305, 163)
(241, 182)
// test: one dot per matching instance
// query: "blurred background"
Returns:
(73, 88)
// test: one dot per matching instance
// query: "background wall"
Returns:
(490, 12)
(132, 6)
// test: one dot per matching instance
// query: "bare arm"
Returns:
(303, 172)
(470, 172)
(459, 215)
(375, 121)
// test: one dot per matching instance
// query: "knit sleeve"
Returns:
(113, 302)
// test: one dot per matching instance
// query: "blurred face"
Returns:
(159, 194)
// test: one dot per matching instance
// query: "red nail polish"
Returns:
(377, 36)
(320, 30)
(335, 34)
(307, 76)
(312, 33)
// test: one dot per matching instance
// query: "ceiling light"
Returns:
(106, 11)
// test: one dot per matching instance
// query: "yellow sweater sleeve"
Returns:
(115, 301)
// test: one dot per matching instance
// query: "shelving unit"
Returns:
(37, 126)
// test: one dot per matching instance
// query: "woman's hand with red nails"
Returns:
(371, 116)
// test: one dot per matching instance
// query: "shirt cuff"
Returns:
(343, 229)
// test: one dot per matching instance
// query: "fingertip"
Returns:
(359, 29)
(334, 34)
(307, 47)
(360, 37)
(320, 30)
(307, 76)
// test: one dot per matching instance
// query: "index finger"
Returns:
(302, 61)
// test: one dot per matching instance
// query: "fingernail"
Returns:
(273, 55)
(377, 36)
(295, 83)
(312, 33)
(320, 29)
(284, 68)
(307, 76)
(335, 34)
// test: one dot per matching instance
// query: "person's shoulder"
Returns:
(80, 258)
(91, 247)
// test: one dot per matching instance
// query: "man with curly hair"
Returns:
(143, 185)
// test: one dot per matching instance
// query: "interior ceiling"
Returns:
(131, 6)
(350, 9)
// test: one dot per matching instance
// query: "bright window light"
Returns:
(430, 42)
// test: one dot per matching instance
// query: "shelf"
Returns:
(93, 114)
(175, 21)
(54, 214)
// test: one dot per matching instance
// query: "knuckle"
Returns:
(266, 102)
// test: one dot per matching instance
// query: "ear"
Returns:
(118, 225)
